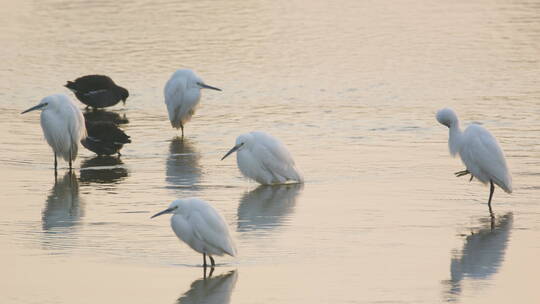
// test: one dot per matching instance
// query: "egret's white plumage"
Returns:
(265, 159)
(63, 125)
(199, 225)
(478, 150)
(182, 94)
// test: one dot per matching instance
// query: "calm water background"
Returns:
(351, 87)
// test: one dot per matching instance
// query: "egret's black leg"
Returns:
(491, 190)
(212, 261)
(470, 180)
(70, 157)
(55, 163)
(182, 128)
(211, 272)
(462, 173)
(204, 260)
(492, 218)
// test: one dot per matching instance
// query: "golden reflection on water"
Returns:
(183, 169)
(481, 256)
(63, 207)
(267, 207)
(214, 289)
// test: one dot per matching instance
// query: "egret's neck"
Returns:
(454, 139)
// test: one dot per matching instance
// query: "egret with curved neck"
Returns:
(479, 151)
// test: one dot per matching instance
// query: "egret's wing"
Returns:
(174, 99)
(76, 126)
(210, 227)
(275, 157)
(173, 89)
(54, 128)
(481, 151)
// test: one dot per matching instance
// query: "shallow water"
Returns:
(351, 88)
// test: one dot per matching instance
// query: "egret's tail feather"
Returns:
(505, 184)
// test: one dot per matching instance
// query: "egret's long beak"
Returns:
(231, 151)
(39, 106)
(168, 210)
(205, 86)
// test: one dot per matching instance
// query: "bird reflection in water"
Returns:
(266, 207)
(103, 170)
(183, 170)
(63, 208)
(481, 256)
(217, 289)
(102, 115)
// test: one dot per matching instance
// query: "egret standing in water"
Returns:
(63, 126)
(265, 159)
(199, 225)
(479, 151)
(182, 94)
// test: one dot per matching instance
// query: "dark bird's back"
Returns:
(97, 91)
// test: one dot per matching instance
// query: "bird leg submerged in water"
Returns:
(491, 190)
(209, 274)
(463, 173)
(70, 157)
(213, 263)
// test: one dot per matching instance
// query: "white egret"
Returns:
(262, 157)
(63, 126)
(479, 151)
(182, 94)
(199, 225)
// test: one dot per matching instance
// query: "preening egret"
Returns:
(63, 126)
(97, 91)
(200, 226)
(104, 138)
(182, 94)
(479, 151)
(265, 159)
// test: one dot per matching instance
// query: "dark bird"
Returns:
(104, 115)
(97, 91)
(104, 138)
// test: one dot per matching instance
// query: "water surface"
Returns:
(351, 88)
